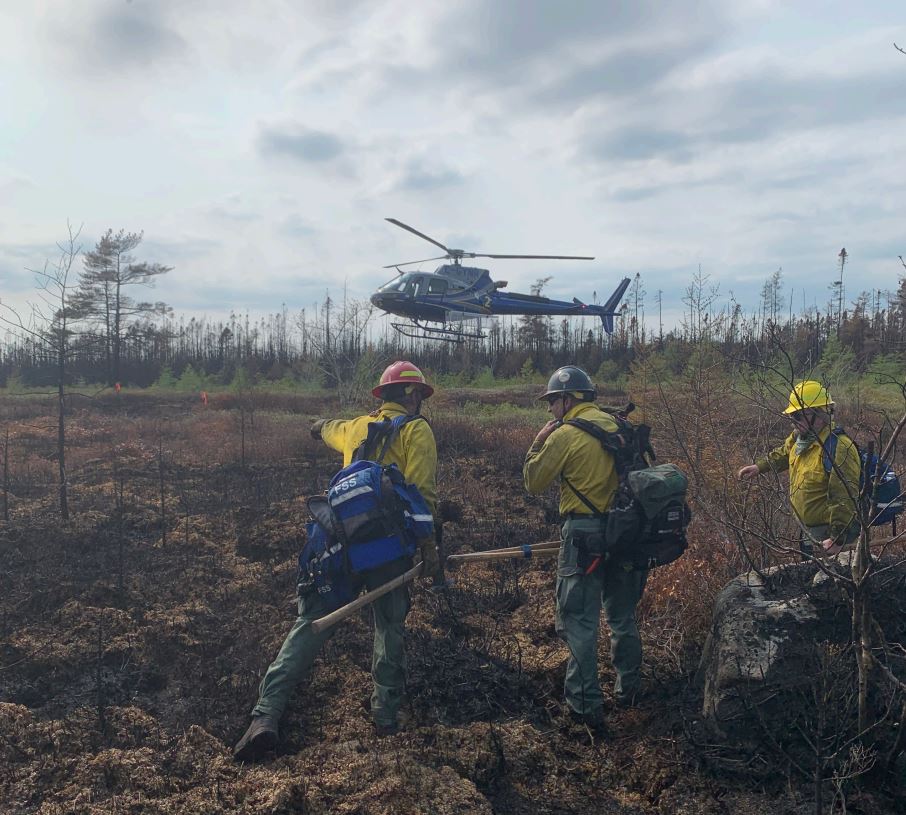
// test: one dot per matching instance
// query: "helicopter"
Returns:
(453, 294)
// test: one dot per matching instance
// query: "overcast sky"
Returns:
(261, 145)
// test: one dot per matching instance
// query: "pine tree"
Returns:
(108, 270)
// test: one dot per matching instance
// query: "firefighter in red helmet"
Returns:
(401, 389)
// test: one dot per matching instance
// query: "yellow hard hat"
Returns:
(808, 394)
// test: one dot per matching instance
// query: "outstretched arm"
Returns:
(777, 460)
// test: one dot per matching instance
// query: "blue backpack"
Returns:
(888, 496)
(369, 517)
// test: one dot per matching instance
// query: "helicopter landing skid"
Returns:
(420, 331)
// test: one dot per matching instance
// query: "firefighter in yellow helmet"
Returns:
(822, 492)
(402, 389)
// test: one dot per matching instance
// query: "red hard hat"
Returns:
(402, 373)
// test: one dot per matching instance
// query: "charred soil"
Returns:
(132, 638)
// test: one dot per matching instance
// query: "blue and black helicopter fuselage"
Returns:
(453, 293)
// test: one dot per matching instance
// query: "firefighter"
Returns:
(402, 389)
(585, 582)
(823, 494)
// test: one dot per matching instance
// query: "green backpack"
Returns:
(646, 523)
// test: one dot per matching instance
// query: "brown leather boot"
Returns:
(260, 738)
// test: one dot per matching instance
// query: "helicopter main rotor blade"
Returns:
(531, 257)
(411, 262)
(408, 228)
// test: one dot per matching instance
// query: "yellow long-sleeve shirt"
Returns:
(413, 450)
(819, 497)
(572, 453)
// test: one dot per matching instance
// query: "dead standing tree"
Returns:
(49, 326)
(339, 341)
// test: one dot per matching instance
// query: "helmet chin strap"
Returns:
(413, 402)
(562, 398)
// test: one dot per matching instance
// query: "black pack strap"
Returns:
(385, 429)
(583, 498)
(612, 442)
(389, 437)
(619, 443)
(621, 412)
(396, 427)
(607, 441)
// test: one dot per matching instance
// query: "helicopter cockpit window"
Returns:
(398, 284)
(437, 286)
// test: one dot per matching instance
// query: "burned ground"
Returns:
(133, 637)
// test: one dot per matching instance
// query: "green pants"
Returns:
(580, 596)
(815, 534)
(301, 646)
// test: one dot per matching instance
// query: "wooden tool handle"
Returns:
(504, 554)
(349, 609)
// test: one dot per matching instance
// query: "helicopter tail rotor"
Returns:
(610, 307)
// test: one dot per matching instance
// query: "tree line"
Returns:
(93, 321)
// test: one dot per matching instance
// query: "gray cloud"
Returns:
(530, 53)
(232, 208)
(338, 12)
(422, 176)
(173, 252)
(294, 226)
(539, 54)
(499, 38)
(639, 143)
(763, 106)
(617, 75)
(120, 36)
(883, 249)
(13, 184)
(303, 288)
(131, 34)
(752, 110)
(300, 143)
(31, 252)
(629, 194)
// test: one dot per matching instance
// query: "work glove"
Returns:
(429, 557)
(316, 428)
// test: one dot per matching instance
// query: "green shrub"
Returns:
(484, 379)
(192, 380)
(15, 384)
(166, 380)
